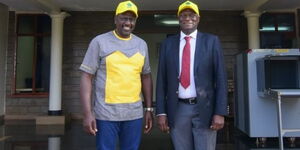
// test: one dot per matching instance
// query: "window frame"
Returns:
(35, 35)
(276, 25)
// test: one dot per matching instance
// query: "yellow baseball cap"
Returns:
(188, 5)
(127, 6)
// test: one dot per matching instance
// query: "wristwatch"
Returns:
(149, 109)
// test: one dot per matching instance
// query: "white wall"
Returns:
(3, 47)
(153, 41)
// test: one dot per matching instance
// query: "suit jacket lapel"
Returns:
(176, 52)
(198, 48)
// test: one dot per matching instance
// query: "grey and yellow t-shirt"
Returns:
(117, 65)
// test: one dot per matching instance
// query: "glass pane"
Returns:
(267, 23)
(26, 24)
(286, 22)
(42, 73)
(277, 40)
(43, 24)
(24, 63)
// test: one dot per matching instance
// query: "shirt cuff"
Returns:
(161, 115)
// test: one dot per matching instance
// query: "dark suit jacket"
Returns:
(209, 74)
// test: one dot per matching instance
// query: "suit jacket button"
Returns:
(177, 92)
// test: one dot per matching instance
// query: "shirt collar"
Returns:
(121, 38)
(193, 35)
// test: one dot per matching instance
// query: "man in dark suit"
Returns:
(191, 92)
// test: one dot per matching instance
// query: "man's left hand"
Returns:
(148, 121)
(217, 122)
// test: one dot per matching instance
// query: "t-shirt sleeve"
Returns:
(146, 67)
(91, 59)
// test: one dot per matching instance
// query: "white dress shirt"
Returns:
(190, 91)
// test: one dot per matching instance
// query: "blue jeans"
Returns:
(128, 132)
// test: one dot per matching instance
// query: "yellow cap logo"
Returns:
(126, 6)
(188, 5)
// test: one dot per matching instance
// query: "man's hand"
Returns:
(89, 121)
(217, 122)
(89, 124)
(148, 121)
(163, 123)
(147, 90)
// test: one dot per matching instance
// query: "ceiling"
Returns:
(145, 5)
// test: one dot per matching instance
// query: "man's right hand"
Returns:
(89, 124)
(162, 122)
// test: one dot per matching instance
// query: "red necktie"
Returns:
(185, 64)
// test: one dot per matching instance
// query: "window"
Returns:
(277, 30)
(32, 64)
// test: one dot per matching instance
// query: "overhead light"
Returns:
(166, 20)
(267, 29)
(170, 22)
(273, 29)
(284, 29)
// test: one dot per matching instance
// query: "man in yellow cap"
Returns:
(117, 64)
(191, 91)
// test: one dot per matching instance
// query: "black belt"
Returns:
(188, 100)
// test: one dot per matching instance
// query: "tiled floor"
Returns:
(25, 136)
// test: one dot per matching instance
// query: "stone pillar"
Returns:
(253, 29)
(54, 143)
(3, 50)
(56, 63)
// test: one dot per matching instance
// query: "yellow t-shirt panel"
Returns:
(123, 78)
